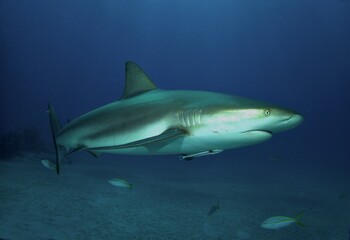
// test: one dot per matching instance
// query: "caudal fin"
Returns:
(55, 128)
(297, 219)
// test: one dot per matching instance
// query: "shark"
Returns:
(147, 120)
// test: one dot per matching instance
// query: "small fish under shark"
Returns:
(147, 120)
(119, 182)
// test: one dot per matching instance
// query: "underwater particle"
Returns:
(275, 158)
(213, 209)
(119, 182)
(278, 222)
(341, 196)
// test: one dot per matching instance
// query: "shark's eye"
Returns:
(267, 112)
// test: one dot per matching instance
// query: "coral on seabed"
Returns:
(13, 143)
(10, 145)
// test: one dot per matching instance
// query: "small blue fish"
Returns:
(343, 195)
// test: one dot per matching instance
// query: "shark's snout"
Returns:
(294, 120)
(287, 121)
(280, 120)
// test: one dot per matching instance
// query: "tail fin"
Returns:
(55, 128)
(297, 219)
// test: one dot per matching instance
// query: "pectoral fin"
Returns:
(95, 154)
(164, 137)
(77, 149)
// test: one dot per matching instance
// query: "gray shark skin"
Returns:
(151, 121)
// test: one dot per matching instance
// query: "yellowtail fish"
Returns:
(278, 222)
(118, 182)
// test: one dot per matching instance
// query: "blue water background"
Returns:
(295, 54)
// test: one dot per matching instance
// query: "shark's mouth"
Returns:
(258, 131)
(256, 136)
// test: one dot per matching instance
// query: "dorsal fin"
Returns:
(136, 81)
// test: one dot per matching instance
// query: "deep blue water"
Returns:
(295, 54)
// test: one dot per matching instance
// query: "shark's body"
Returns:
(148, 120)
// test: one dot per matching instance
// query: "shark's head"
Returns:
(251, 124)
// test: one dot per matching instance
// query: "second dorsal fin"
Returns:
(136, 81)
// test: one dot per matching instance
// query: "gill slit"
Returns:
(190, 118)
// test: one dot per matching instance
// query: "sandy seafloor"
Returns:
(170, 200)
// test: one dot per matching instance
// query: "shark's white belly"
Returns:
(196, 143)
